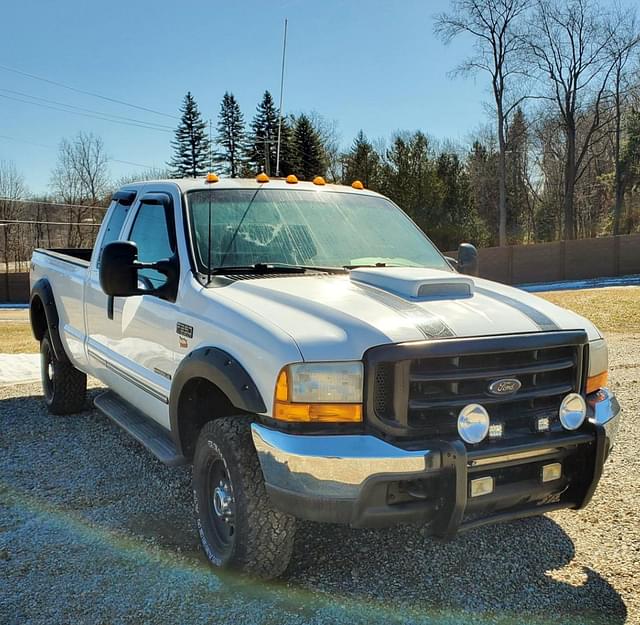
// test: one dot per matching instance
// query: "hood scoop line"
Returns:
(416, 283)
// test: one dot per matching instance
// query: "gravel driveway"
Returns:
(94, 530)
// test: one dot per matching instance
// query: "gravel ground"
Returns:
(94, 530)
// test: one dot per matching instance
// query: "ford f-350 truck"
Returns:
(313, 355)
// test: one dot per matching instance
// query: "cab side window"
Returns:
(150, 232)
(113, 226)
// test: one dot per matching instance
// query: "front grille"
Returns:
(418, 389)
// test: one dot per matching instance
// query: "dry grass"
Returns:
(16, 338)
(15, 332)
(616, 309)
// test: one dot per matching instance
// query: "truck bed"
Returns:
(66, 272)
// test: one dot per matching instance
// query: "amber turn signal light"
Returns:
(318, 413)
(597, 382)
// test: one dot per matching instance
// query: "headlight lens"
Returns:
(326, 392)
(330, 382)
(573, 410)
(598, 366)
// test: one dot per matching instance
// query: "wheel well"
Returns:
(38, 318)
(200, 401)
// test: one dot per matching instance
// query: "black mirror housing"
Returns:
(468, 259)
(119, 269)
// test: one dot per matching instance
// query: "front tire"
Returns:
(64, 387)
(239, 529)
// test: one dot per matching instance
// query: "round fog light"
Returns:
(573, 410)
(473, 423)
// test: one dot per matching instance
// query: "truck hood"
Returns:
(336, 317)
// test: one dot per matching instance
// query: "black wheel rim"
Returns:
(221, 508)
(48, 378)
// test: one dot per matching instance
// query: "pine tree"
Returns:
(307, 153)
(262, 147)
(231, 136)
(287, 165)
(191, 147)
(362, 163)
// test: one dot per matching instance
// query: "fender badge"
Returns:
(183, 342)
(507, 386)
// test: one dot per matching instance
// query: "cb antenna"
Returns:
(284, 54)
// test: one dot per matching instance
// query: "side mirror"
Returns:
(468, 259)
(119, 269)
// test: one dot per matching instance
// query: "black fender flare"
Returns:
(222, 370)
(43, 291)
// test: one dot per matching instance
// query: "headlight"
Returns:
(573, 410)
(598, 366)
(320, 392)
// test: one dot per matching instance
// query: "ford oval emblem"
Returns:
(504, 387)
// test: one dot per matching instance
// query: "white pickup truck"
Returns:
(313, 355)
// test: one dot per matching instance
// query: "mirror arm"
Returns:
(138, 265)
(452, 261)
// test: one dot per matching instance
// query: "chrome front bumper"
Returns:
(326, 478)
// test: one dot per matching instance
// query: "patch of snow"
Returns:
(591, 283)
(19, 368)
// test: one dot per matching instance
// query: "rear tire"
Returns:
(64, 387)
(239, 529)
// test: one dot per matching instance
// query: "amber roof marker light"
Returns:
(262, 177)
(211, 178)
(357, 184)
(291, 179)
(319, 180)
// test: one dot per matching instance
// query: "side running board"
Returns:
(146, 431)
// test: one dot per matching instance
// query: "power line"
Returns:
(86, 110)
(51, 147)
(100, 117)
(89, 93)
(48, 223)
(10, 199)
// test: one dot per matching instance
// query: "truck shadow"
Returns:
(520, 567)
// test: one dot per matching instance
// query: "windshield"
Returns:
(309, 228)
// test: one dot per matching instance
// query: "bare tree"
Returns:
(81, 178)
(151, 173)
(329, 134)
(625, 38)
(494, 25)
(569, 41)
(12, 188)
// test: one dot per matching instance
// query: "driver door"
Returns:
(148, 341)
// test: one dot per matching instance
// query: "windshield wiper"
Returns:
(261, 268)
(275, 267)
(368, 265)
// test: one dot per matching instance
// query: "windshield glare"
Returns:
(312, 228)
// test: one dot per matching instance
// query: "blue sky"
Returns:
(373, 65)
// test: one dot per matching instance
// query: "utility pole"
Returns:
(210, 147)
(284, 52)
